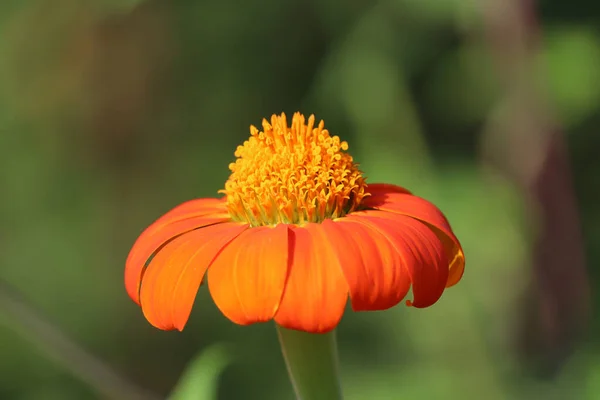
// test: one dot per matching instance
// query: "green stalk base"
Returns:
(312, 363)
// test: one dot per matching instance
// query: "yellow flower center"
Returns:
(292, 175)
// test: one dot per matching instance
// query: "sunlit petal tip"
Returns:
(184, 218)
(171, 280)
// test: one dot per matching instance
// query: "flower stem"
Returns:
(312, 363)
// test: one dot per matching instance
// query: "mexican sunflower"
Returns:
(297, 232)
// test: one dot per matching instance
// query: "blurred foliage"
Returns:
(200, 380)
(569, 62)
(114, 111)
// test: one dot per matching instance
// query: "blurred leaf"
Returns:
(54, 391)
(464, 86)
(569, 67)
(9, 7)
(119, 6)
(436, 10)
(39, 43)
(593, 378)
(201, 378)
(439, 11)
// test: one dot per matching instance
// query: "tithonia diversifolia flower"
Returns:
(297, 233)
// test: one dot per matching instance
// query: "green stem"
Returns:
(312, 363)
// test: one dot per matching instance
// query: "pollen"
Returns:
(292, 174)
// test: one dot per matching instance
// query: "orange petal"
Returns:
(421, 209)
(247, 279)
(191, 208)
(423, 253)
(316, 291)
(183, 218)
(376, 189)
(372, 266)
(172, 279)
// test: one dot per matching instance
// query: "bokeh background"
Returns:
(114, 111)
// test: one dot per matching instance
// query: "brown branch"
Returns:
(529, 147)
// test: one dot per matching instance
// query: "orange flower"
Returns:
(297, 232)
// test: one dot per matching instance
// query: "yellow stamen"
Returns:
(292, 175)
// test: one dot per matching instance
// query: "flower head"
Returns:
(292, 175)
(298, 232)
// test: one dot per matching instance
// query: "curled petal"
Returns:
(247, 279)
(394, 201)
(456, 257)
(316, 291)
(373, 267)
(421, 250)
(171, 280)
(188, 216)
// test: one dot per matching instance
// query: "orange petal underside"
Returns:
(422, 252)
(183, 218)
(246, 281)
(316, 291)
(388, 199)
(374, 269)
(171, 280)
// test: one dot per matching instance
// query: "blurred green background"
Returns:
(114, 111)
